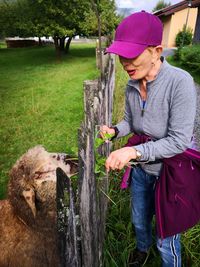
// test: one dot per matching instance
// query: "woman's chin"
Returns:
(134, 77)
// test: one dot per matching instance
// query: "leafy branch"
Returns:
(99, 159)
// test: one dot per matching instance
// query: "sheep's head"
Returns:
(32, 185)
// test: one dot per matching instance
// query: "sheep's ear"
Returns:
(29, 196)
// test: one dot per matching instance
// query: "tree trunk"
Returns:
(67, 45)
(40, 41)
(62, 43)
(56, 42)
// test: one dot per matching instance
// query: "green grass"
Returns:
(41, 100)
(2, 44)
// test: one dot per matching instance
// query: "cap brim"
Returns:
(126, 49)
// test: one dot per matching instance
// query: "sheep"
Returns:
(28, 221)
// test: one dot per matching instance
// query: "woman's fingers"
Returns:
(113, 162)
(121, 166)
(106, 130)
(114, 165)
(119, 158)
(103, 131)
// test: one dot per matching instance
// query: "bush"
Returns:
(184, 37)
(189, 56)
(177, 53)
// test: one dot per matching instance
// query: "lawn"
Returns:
(41, 100)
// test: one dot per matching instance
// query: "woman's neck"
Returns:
(150, 77)
(152, 73)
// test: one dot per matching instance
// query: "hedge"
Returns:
(189, 56)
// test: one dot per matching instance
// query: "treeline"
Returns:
(59, 19)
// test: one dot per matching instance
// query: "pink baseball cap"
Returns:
(135, 33)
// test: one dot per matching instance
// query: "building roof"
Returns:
(177, 7)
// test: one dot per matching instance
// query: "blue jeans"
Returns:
(143, 209)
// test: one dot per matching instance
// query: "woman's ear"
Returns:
(158, 51)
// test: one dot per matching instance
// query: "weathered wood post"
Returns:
(81, 243)
(68, 236)
(98, 97)
(87, 182)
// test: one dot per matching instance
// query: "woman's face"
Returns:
(139, 67)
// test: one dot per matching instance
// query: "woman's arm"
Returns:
(180, 124)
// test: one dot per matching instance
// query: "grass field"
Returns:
(41, 100)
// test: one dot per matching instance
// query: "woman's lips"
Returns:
(131, 72)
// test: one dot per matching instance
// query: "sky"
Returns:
(139, 5)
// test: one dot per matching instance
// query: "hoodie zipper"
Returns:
(143, 106)
(143, 97)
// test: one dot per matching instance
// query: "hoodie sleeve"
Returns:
(180, 124)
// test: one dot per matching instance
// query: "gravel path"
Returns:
(168, 52)
(197, 120)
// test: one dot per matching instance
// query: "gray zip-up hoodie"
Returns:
(168, 116)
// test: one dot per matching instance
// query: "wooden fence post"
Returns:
(68, 236)
(87, 184)
(98, 97)
(81, 246)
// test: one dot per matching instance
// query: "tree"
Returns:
(160, 5)
(66, 19)
(184, 37)
(14, 18)
(59, 19)
(102, 11)
(106, 10)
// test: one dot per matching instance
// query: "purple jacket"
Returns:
(177, 195)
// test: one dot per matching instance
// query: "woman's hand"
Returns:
(106, 130)
(119, 158)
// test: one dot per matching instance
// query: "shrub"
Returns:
(190, 56)
(184, 37)
(177, 53)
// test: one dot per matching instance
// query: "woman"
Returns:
(161, 103)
